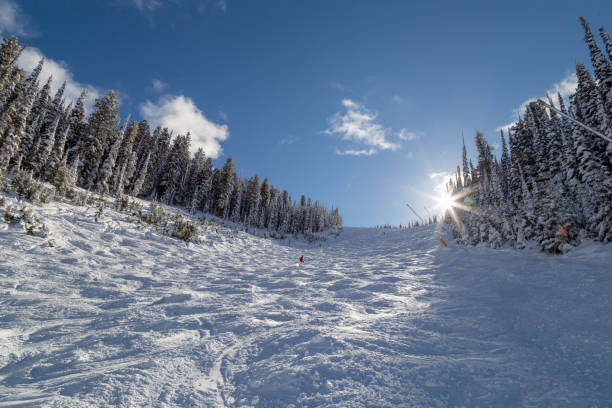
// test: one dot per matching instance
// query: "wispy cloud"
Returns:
(405, 135)
(440, 179)
(358, 125)
(159, 85)
(149, 7)
(181, 114)
(60, 71)
(351, 152)
(397, 99)
(222, 114)
(146, 6)
(14, 21)
(565, 87)
(338, 86)
(289, 140)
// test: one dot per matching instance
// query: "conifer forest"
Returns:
(553, 182)
(56, 142)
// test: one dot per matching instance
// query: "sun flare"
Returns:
(445, 202)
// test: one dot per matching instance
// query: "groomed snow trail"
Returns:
(113, 315)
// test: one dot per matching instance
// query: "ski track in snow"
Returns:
(114, 315)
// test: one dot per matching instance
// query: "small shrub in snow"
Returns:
(182, 228)
(25, 218)
(25, 186)
(100, 211)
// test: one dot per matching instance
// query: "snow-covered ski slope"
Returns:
(113, 315)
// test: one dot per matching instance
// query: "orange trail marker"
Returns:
(562, 231)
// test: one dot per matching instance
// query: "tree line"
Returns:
(60, 144)
(553, 182)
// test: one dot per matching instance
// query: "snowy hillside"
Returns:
(115, 315)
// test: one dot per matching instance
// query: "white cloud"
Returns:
(289, 140)
(404, 134)
(358, 125)
(397, 99)
(222, 114)
(30, 57)
(440, 180)
(146, 6)
(180, 114)
(566, 87)
(150, 6)
(159, 85)
(351, 152)
(13, 21)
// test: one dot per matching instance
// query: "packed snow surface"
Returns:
(114, 315)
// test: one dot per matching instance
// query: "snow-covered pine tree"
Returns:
(142, 174)
(125, 151)
(42, 149)
(607, 42)
(78, 128)
(603, 70)
(10, 75)
(57, 153)
(63, 178)
(252, 201)
(593, 174)
(54, 111)
(7, 92)
(225, 187)
(159, 154)
(195, 170)
(284, 215)
(205, 186)
(105, 171)
(121, 181)
(14, 121)
(593, 112)
(274, 210)
(102, 126)
(505, 167)
(177, 165)
(142, 144)
(26, 142)
(237, 199)
(264, 205)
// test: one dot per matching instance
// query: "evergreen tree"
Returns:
(607, 41)
(63, 178)
(252, 201)
(505, 167)
(14, 120)
(264, 203)
(43, 149)
(57, 153)
(26, 143)
(106, 170)
(78, 128)
(125, 150)
(225, 187)
(102, 126)
(603, 70)
(142, 174)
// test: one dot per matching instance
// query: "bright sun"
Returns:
(445, 202)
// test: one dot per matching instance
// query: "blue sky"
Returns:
(357, 104)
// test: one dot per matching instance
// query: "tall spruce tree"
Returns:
(102, 126)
